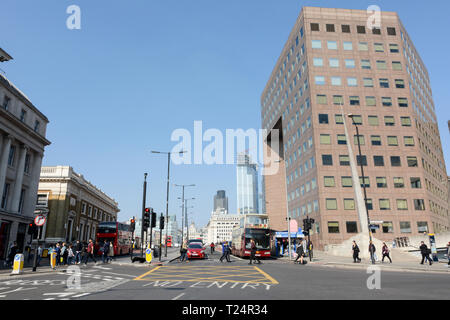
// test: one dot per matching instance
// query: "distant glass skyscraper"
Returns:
(247, 185)
(221, 201)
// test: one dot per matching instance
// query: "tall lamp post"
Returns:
(167, 198)
(186, 216)
(362, 173)
(182, 206)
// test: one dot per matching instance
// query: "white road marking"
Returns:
(102, 268)
(179, 296)
(121, 274)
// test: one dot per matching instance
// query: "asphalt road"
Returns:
(213, 280)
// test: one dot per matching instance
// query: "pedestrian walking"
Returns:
(183, 252)
(90, 252)
(111, 252)
(385, 252)
(224, 251)
(425, 253)
(105, 252)
(300, 253)
(70, 255)
(355, 250)
(310, 250)
(12, 254)
(64, 253)
(58, 254)
(78, 251)
(228, 252)
(39, 255)
(253, 249)
(212, 247)
(372, 250)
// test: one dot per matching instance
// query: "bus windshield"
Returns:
(261, 237)
(107, 227)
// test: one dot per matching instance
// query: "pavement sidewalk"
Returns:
(321, 258)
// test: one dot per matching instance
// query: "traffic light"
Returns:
(33, 230)
(161, 222)
(146, 220)
(132, 225)
(153, 217)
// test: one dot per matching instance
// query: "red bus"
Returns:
(169, 241)
(117, 233)
(251, 226)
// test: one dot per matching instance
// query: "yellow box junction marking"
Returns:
(208, 274)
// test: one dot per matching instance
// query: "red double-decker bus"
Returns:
(251, 226)
(169, 241)
(117, 233)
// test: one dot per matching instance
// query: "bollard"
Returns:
(148, 254)
(18, 264)
(53, 260)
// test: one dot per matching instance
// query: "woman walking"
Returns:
(355, 249)
(385, 252)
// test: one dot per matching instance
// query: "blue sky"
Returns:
(137, 70)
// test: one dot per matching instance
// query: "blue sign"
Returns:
(148, 251)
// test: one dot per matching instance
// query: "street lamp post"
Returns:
(362, 173)
(182, 207)
(167, 198)
(143, 209)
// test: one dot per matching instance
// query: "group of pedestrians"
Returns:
(80, 252)
(226, 252)
(372, 251)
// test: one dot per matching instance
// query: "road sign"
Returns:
(18, 264)
(39, 220)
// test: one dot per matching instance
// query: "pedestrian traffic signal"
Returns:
(33, 230)
(153, 217)
(146, 219)
(161, 222)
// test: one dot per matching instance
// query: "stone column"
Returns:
(6, 146)
(19, 179)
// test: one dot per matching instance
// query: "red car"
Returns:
(196, 250)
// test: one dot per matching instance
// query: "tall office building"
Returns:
(247, 185)
(332, 59)
(221, 201)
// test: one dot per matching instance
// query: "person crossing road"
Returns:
(253, 249)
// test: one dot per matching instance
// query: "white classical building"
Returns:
(22, 142)
(220, 227)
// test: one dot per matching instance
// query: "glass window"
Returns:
(321, 99)
(384, 83)
(373, 120)
(371, 101)
(405, 121)
(399, 182)
(366, 181)
(352, 227)
(329, 181)
(422, 226)
(361, 160)
(385, 204)
(388, 227)
(345, 28)
(396, 65)
(393, 48)
(363, 46)
(315, 27)
(378, 161)
(376, 31)
(395, 161)
(349, 204)
(354, 101)
(419, 204)
(334, 63)
(365, 64)
(402, 204)
(350, 63)
(325, 139)
(381, 182)
(361, 29)
(331, 204)
(399, 83)
(332, 45)
(386, 101)
(352, 82)
(336, 81)
(341, 139)
(392, 140)
(330, 27)
(375, 140)
(316, 44)
(333, 227)
(318, 62)
(327, 159)
(403, 102)
(405, 227)
(357, 119)
(368, 82)
(412, 161)
(381, 65)
(378, 47)
(320, 80)
(348, 45)
(389, 121)
(415, 183)
(409, 141)
(344, 160)
(347, 182)
(338, 118)
(323, 118)
(338, 100)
